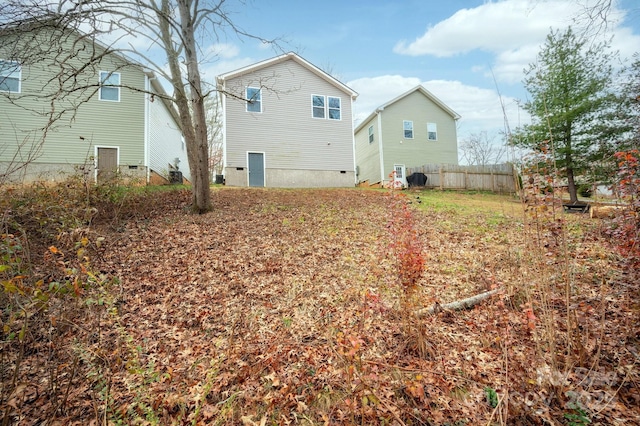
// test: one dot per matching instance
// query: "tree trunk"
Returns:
(199, 163)
(571, 186)
(192, 119)
(459, 305)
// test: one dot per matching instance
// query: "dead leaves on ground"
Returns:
(281, 307)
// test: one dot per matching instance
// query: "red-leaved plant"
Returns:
(407, 252)
(406, 246)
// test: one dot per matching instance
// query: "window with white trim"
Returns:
(326, 107)
(318, 104)
(407, 126)
(10, 76)
(432, 131)
(370, 134)
(254, 99)
(109, 86)
(334, 108)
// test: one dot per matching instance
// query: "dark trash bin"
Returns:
(175, 177)
(219, 179)
(417, 179)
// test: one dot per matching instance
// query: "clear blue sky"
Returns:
(463, 51)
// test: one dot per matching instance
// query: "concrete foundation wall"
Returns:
(48, 172)
(280, 178)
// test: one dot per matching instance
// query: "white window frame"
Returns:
(315, 108)
(435, 131)
(12, 74)
(109, 74)
(257, 101)
(329, 109)
(371, 137)
(405, 130)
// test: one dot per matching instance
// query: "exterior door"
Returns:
(107, 164)
(256, 168)
(399, 178)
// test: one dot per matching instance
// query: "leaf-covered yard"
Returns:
(285, 307)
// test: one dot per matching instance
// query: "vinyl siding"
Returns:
(417, 151)
(368, 154)
(165, 141)
(285, 130)
(73, 138)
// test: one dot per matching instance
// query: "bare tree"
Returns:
(596, 16)
(172, 32)
(480, 149)
(214, 124)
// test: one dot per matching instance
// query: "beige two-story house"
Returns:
(287, 123)
(413, 129)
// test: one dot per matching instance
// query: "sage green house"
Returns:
(287, 124)
(70, 105)
(413, 129)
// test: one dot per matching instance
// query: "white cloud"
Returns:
(223, 50)
(212, 69)
(494, 27)
(375, 91)
(509, 64)
(626, 43)
(481, 109)
(513, 31)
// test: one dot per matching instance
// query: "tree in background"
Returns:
(164, 35)
(214, 124)
(571, 104)
(480, 149)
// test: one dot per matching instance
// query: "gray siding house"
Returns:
(287, 124)
(413, 129)
(77, 108)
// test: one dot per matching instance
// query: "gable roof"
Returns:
(282, 58)
(420, 89)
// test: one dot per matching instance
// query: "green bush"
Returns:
(585, 191)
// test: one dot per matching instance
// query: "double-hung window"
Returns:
(109, 86)
(408, 129)
(432, 131)
(10, 73)
(370, 134)
(254, 99)
(318, 104)
(334, 108)
(326, 107)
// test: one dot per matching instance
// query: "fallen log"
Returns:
(605, 212)
(459, 305)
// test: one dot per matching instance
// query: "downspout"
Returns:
(147, 115)
(223, 103)
(379, 118)
(353, 147)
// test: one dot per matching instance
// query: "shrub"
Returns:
(585, 191)
(625, 228)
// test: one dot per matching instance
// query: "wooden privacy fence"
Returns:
(496, 178)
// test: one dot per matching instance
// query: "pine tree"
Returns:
(571, 103)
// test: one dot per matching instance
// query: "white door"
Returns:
(399, 178)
